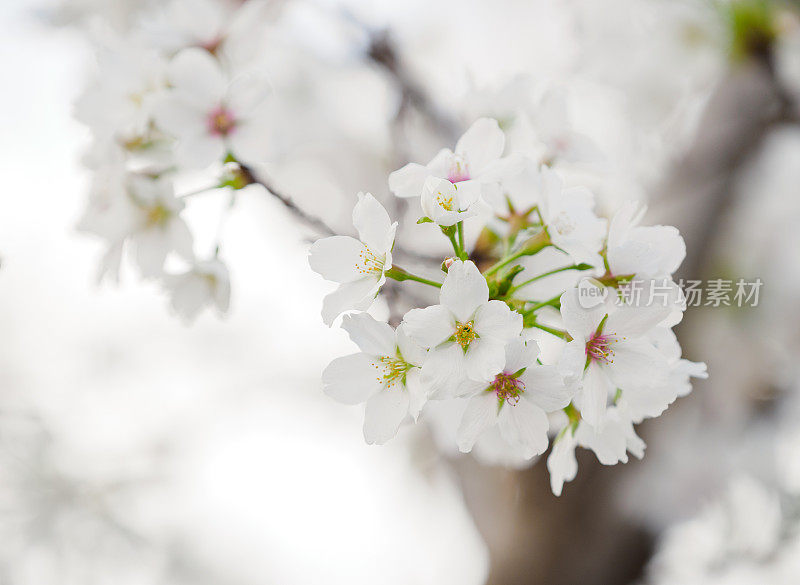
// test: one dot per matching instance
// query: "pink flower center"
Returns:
(212, 45)
(600, 348)
(459, 170)
(508, 388)
(221, 121)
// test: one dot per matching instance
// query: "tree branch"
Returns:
(321, 228)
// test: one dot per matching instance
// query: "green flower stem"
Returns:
(199, 191)
(545, 274)
(456, 250)
(400, 275)
(556, 300)
(553, 331)
(533, 246)
(462, 253)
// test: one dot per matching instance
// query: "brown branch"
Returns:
(322, 228)
(318, 225)
(382, 52)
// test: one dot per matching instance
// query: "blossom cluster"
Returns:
(536, 334)
(179, 108)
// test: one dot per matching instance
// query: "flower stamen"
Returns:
(459, 170)
(221, 121)
(508, 388)
(392, 370)
(563, 224)
(157, 215)
(465, 334)
(369, 263)
(600, 348)
(444, 201)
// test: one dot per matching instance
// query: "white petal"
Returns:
(481, 144)
(338, 258)
(545, 388)
(464, 290)
(495, 320)
(384, 413)
(196, 73)
(250, 141)
(645, 251)
(612, 442)
(561, 463)
(637, 364)
(370, 335)
(443, 373)
(200, 150)
(408, 181)
(351, 379)
(468, 192)
(439, 201)
(355, 296)
(608, 444)
(373, 224)
(247, 93)
(412, 352)
(417, 392)
(520, 354)
(429, 326)
(189, 292)
(572, 361)
(180, 118)
(594, 396)
(649, 402)
(524, 425)
(634, 321)
(441, 164)
(481, 413)
(484, 359)
(180, 238)
(628, 215)
(151, 248)
(580, 323)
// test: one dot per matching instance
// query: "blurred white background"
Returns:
(136, 449)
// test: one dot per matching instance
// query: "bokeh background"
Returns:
(137, 450)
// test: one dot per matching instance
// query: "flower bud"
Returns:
(448, 262)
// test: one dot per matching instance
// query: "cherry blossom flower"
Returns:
(652, 402)
(205, 284)
(470, 166)
(561, 463)
(444, 202)
(517, 400)
(642, 251)
(535, 192)
(611, 444)
(224, 29)
(212, 117)
(119, 102)
(545, 131)
(466, 333)
(144, 214)
(609, 351)
(570, 220)
(385, 375)
(359, 266)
